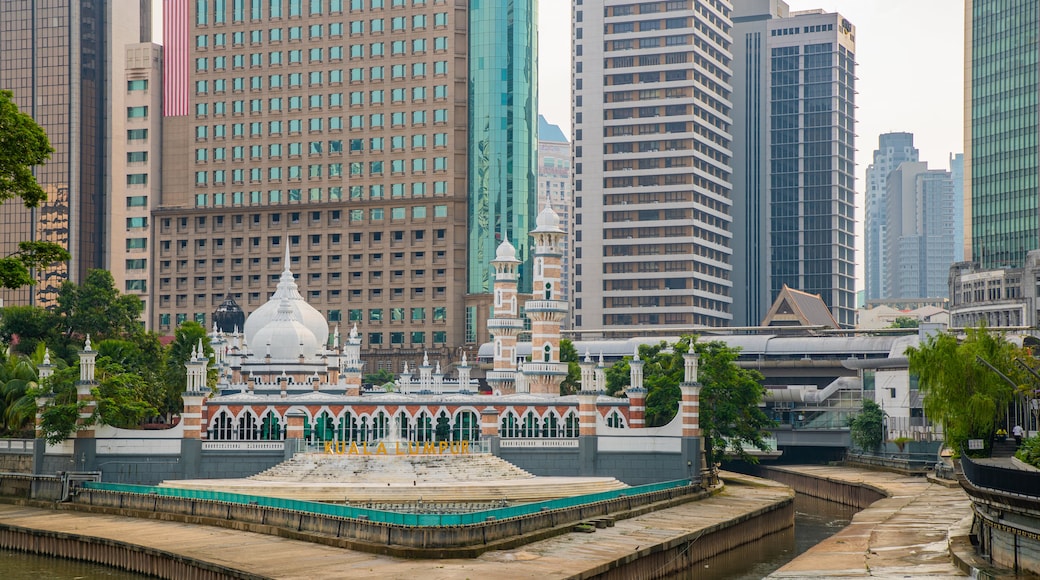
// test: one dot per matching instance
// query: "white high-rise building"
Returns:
(893, 149)
(794, 158)
(919, 217)
(652, 163)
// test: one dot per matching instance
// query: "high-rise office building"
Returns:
(87, 72)
(919, 232)
(652, 139)
(336, 129)
(554, 187)
(957, 174)
(1001, 125)
(503, 139)
(794, 125)
(893, 149)
(52, 57)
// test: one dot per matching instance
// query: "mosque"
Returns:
(278, 365)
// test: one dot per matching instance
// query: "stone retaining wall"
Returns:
(857, 495)
(115, 554)
(465, 541)
(681, 555)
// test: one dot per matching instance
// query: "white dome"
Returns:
(505, 252)
(548, 221)
(285, 338)
(303, 313)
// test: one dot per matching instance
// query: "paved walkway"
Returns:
(561, 557)
(902, 536)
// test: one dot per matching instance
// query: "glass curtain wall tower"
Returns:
(1001, 126)
(53, 58)
(503, 139)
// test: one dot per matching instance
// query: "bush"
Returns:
(1029, 452)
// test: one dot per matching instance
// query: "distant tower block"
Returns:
(546, 310)
(506, 323)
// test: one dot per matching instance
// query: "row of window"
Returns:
(417, 70)
(320, 124)
(274, 35)
(313, 194)
(315, 101)
(418, 141)
(216, 11)
(256, 128)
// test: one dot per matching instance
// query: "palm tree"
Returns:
(18, 376)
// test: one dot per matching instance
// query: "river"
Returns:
(815, 520)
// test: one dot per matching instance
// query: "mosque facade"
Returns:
(277, 366)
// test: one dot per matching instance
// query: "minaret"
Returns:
(546, 310)
(463, 370)
(84, 397)
(194, 392)
(506, 323)
(45, 370)
(636, 393)
(352, 364)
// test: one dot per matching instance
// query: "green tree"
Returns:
(568, 354)
(378, 378)
(18, 376)
(867, 427)
(120, 397)
(26, 327)
(143, 357)
(730, 416)
(23, 145)
(905, 322)
(175, 374)
(961, 394)
(96, 308)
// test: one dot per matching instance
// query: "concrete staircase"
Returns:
(1005, 448)
(403, 479)
(393, 469)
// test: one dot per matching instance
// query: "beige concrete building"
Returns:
(135, 165)
(336, 131)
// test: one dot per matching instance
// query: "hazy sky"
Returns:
(910, 69)
(909, 56)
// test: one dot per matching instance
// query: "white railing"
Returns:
(243, 445)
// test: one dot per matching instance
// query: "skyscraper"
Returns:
(1001, 125)
(957, 174)
(554, 186)
(338, 129)
(503, 137)
(893, 149)
(919, 218)
(53, 58)
(652, 138)
(794, 124)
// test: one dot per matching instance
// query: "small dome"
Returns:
(285, 337)
(548, 221)
(506, 252)
(304, 313)
(229, 316)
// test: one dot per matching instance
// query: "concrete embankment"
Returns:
(909, 527)
(649, 545)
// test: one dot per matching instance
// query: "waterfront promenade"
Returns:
(572, 555)
(918, 531)
(906, 535)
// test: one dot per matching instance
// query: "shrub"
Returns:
(1029, 452)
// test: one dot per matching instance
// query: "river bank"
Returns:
(660, 542)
